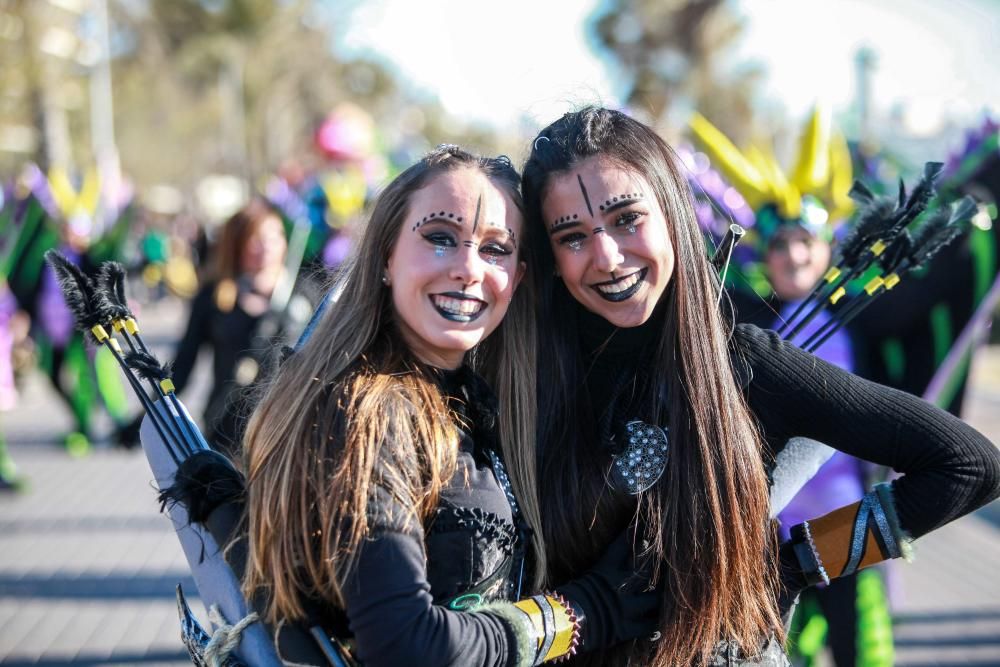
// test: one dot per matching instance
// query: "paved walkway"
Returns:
(88, 566)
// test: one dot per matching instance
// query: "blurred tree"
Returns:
(42, 83)
(241, 85)
(670, 56)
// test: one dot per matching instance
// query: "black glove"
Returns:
(792, 580)
(613, 600)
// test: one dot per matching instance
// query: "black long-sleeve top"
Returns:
(236, 359)
(405, 603)
(949, 469)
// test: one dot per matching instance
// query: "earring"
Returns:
(385, 280)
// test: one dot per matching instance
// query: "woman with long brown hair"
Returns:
(378, 500)
(227, 316)
(654, 410)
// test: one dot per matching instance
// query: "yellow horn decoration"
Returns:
(812, 169)
(728, 159)
(90, 192)
(62, 190)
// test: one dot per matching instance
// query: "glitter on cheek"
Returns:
(439, 251)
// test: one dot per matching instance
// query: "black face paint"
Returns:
(470, 244)
(620, 201)
(583, 189)
(430, 217)
(598, 230)
(475, 222)
(558, 224)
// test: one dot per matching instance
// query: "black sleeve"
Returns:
(390, 609)
(199, 319)
(949, 468)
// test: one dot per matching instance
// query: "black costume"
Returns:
(950, 469)
(411, 583)
(240, 347)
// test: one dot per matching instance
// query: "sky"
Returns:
(524, 62)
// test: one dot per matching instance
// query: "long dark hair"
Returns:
(706, 519)
(308, 479)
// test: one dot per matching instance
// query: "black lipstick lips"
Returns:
(627, 294)
(458, 317)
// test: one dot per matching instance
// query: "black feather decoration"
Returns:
(79, 292)
(873, 222)
(860, 193)
(203, 481)
(924, 190)
(147, 366)
(901, 200)
(896, 251)
(112, 283)
(965, 209)
(940, 229)
(922, 194)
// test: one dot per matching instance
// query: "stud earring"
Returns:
(385, 280)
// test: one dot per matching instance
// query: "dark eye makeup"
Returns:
(441, 239)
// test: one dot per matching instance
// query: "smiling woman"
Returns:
(658, 413)
(617, 261)
(454, 270)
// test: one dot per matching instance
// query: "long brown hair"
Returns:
(707, 517)
(227, 252)
(353, 390)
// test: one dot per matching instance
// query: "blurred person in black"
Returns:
(232, 315)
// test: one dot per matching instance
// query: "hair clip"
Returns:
(535, 145)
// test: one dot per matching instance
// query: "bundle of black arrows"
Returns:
(881, 238)
(204, 479)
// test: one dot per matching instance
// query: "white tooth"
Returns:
(620, 286)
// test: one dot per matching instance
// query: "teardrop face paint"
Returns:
(454, 267)
(616, 260)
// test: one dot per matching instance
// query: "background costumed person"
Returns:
(228, 314)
